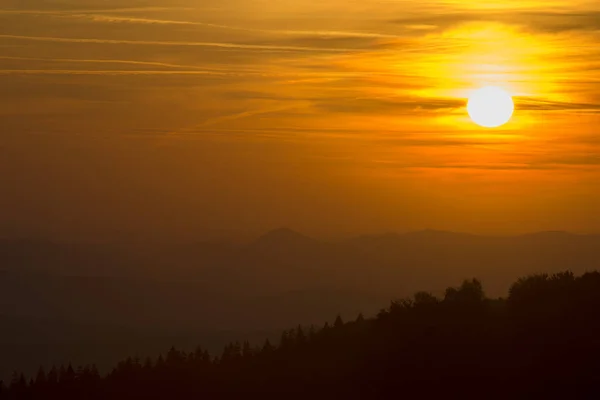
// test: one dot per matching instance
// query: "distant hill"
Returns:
(278, 279)
(284, 238)
(284, 260)
(540, 342)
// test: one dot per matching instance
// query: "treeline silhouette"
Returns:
(541, 341)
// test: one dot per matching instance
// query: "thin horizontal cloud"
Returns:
(342, 77)
(183, 69)
(541, 21)
(100, 61)
(389, 140)
(91, 11)
(387, 105)
(347, 42)
(222, 45)
(575, 159)
(105, 72)
(99, 16)
(246, 114)
(411, 141)
(487, 167)
(586, 139)
(320, 33)
(533, 104)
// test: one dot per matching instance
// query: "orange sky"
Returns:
(172, 118)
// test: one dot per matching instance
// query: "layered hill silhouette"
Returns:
(539, 342)
(284, 250)
(197, 290)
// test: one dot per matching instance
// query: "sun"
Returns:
(490, 107)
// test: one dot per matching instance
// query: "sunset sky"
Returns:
(171, 119)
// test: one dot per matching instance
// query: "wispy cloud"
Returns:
(222, 45)
(99, 61)
(531, 20)
(24, 11)
(103, 72)
(386, 105)
(534, 104)
(99, 16)
(244, 114)
(320, 33)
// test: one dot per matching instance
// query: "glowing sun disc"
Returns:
(490, 107)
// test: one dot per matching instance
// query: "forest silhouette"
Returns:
(543, 340)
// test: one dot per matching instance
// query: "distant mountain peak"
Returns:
(283, 233)
(438, 233)
(548, 234)
(284, 237)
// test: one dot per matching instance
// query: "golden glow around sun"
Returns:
(490, 107)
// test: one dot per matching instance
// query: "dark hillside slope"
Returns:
(543, 341)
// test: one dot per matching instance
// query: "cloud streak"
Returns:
(532, 20)
(104, 72)
(320, 33)
(91, 11)
(100, 17)
(388, 105)
(533, 104)
(98, 61)
(219, 45)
